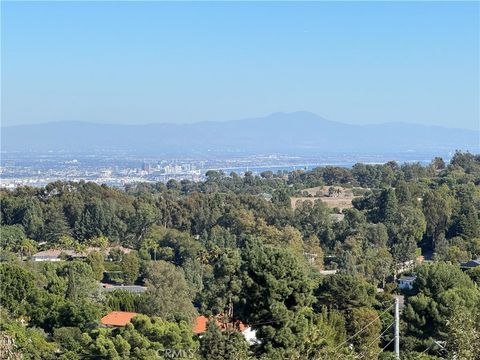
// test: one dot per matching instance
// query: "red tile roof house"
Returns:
(122, 318)
(249, 334)
(201, 324)
(118, 318)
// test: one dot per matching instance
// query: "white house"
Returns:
(250, 335)
(55, 255)
(328, 272)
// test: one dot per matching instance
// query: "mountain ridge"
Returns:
(406, 123)
(296, 132)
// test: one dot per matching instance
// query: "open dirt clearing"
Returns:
(342, 198)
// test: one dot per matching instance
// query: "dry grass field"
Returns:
(343, 200)
(341, 203)
(324, 189)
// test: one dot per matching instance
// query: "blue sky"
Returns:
(361, 62)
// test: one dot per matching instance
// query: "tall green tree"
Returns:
(465, 221)
(367, 325)
(81, 282)
(463, 334)
(438, 289)
(168, 295)
(437, 207)
(277, 297)
(388, 208)
(314, 219)
(28, 343)
(12, 237)
(32, 218)
(343, 291)
(56, 224)
(410, 226)
(130, 265)
(16, 285)
(224, 287)
(223, 345)
(95, 260)
(142, 338)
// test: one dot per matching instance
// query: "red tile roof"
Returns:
(118, 318)
(201, 324)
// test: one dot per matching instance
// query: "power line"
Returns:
(364, 328)
(354, 335)
(386, 345)
(428, 348)
(339, 310)
(382, 349)
(377, 338)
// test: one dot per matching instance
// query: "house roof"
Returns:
(328, 272)
(55, 253)
(118, 318)
(108, 249)
(471, 263)
(128, 288)
(201, 324)
(47, 253)
(408, 278)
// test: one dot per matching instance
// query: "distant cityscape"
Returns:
(120, 169)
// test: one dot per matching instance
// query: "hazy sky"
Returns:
(182, 62)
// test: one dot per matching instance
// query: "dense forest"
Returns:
(237, 248)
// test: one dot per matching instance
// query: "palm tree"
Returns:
(27, 247)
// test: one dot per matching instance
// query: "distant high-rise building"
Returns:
(146, 167)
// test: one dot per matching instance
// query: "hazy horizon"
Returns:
(155, 62)
(260, 117)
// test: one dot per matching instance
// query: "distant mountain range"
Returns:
(293, 133)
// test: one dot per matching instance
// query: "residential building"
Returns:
(135, 289)
(470, 264)
(249, 333)
(328, 272)
(406, 282)
(118, 318)
(56, 255)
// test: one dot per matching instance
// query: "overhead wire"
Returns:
(377, 338)
(364, 328)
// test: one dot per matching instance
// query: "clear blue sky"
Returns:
(181, 62)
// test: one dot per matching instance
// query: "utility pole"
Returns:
(397, 329)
